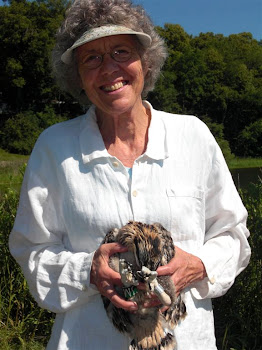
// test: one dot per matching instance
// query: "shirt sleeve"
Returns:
(58, 277)
(226, 251)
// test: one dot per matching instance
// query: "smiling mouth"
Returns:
(114, 87)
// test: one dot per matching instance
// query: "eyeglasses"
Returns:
(93, 60)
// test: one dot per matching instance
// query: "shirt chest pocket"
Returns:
(186, 207)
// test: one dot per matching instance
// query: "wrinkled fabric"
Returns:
(74, 192)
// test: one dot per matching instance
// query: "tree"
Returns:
(27, 34)
(208, 74)
(21, 131)
(250, 140)
(212, 75)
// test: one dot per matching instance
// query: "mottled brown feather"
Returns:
(150, 246)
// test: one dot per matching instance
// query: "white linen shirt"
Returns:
(74, 192)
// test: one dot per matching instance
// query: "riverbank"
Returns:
(241, 163)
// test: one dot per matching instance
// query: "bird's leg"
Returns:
(128, 279)
(151, 278)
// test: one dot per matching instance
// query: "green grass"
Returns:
(238, 163)
(10, 157)
(10, 170)
(11, 339)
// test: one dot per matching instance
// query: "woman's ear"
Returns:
(145, 69)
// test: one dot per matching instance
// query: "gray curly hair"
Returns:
(86, 14)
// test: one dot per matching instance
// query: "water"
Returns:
(243, 177)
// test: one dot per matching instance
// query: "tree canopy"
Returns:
(27, 34)
(213, 76)
(217, 78)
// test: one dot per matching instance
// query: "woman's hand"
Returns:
(184, 269)
(104, 278)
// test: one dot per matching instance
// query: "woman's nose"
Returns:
(108, 65)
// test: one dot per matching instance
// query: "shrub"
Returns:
(217, 131)
(250, 140)
(238, 313)
(20, 132)
(21, 320)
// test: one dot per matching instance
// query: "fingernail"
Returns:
(133, 307)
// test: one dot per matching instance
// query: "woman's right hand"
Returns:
(105, 278)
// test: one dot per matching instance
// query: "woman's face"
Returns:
(114, 87)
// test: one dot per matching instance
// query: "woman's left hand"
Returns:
(184, 269)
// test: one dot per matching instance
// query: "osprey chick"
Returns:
(149, 246)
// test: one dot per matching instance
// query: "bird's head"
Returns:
(145, 242)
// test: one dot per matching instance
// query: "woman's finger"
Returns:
(112, 248)
(100, 269)
(109, 291)
(122, 303)
(184, 269)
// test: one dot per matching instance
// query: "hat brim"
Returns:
(101, 32)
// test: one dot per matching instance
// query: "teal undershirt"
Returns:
(129, 170)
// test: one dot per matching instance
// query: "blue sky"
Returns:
(217, 16)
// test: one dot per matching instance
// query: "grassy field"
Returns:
(238, 163)
(10, 170)
(7, 337)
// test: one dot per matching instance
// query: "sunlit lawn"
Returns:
(10, 169)
(245, 163)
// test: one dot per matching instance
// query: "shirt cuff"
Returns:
(210, 286)
(88, 287)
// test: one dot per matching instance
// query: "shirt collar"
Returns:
(157, 144)
(91, 142)
(92, 145)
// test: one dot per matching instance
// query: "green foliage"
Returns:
(8, 341)
(216, 76)
(204, 75)
(20, 132)
(250, 140)
(175, 37)
(218, 132)
(21, 320)
(238, 313)
(165, 98)
(240, 163)
(27, 35)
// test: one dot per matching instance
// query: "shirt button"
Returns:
(115, 164)
(134, 193)
(212, 280)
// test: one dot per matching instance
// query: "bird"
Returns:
(149, 246)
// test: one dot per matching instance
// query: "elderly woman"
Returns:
(123, 161)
